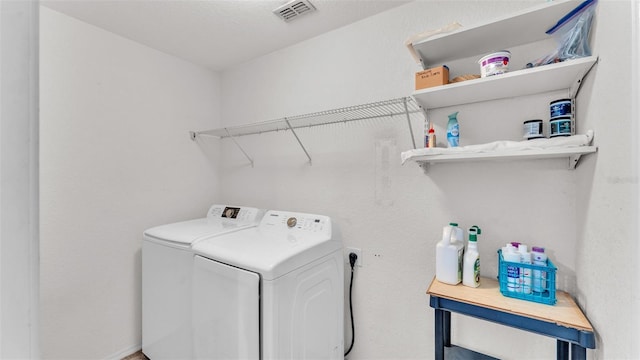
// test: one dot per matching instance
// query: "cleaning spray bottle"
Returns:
(471, 267)
(453, 130)
(449, 255)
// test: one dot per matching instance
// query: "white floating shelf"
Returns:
(572, 153)
(532, 25)
(552, 77)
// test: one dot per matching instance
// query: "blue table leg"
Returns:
(562, 350)
(447, 328)
(578, 352)
(439, 334)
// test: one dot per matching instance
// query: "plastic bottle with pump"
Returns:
(510, 253)
(539, 276)
(525, 273)
(453, 130)
(471, 267)
(449, 255)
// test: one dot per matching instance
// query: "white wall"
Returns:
(608, 187)
(116, 158)
(396, 213)
(18, 179)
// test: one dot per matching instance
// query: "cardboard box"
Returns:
(432, 77)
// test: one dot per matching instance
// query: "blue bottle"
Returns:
(453, 130)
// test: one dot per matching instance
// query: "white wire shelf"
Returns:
(380, 109)
(404, 107)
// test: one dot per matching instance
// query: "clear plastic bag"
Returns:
(571, 34)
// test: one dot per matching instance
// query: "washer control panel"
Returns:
(235, 213)
(297, 222)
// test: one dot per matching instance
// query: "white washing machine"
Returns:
(275, 291)
(167, 271)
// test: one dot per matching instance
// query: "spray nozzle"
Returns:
(474, 231)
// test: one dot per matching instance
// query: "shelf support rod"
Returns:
(577, 85)
(239, 147)
(297, 138)
(573, 161)
(406, 111)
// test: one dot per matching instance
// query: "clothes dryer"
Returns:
(275, 291)
(167, 269)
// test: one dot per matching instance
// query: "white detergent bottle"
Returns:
(449, 256)
(459, 233)
(459, 243)
(471, 267)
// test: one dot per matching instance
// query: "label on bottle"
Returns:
(476, 271)
(513, 278)
(453, 133)
(526, 280)
(539, 277)
(460, 263)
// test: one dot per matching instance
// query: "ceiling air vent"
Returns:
(294, 9)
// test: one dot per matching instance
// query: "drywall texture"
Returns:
(607, 204)
(395, 213)
(116, 158)
(18, 180)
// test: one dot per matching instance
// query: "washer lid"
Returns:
(221, 219)
(283, 242)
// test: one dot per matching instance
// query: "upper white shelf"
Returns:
(552, 77)
(529, 26)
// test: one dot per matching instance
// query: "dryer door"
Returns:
(226, 311)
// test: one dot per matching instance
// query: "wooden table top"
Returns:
(565, 312)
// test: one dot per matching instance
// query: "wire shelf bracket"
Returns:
(298, 139)
(239, 147)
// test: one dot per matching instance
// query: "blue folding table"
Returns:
(563, 321)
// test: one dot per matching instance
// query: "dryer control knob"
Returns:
(291, 222)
